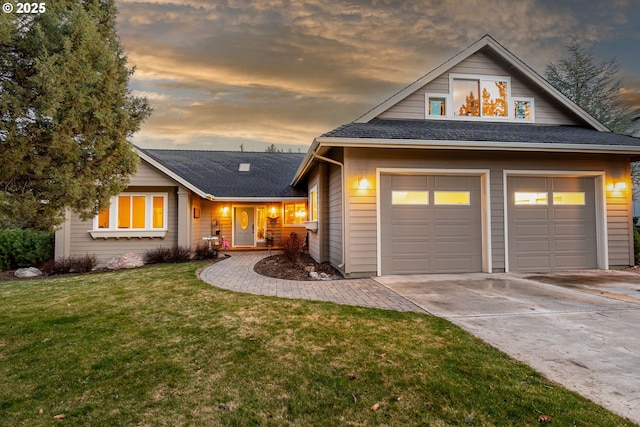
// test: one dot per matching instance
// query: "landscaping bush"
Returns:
(292, 248)
(163, 254)
(24, 248)
(203, 251)
(70, 265)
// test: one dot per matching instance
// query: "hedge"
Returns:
(24, 248)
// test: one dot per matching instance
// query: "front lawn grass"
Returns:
(157, 347)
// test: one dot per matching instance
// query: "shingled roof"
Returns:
(433, 130)
(217, 173)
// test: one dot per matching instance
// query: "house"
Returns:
(478, 166)
(179, 197)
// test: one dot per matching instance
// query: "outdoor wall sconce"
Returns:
(225, 210)
(273, 218)
(617, 186)
(363, 184)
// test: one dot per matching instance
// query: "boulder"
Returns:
(125, 261)
(27, 272)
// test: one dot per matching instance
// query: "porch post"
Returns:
(184, 218)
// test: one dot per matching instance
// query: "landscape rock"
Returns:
(27, 272)
(314, 274)
(125, 261)
(309, 269)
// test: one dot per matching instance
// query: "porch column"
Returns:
(184, 218)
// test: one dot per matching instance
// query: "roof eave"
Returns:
(156, 164)
(476, 145)
(306, 163)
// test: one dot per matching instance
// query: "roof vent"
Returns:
(244, 167)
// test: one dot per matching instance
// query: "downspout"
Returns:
(344, 198)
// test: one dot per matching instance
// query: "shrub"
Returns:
(70, 265)
(292, 248)
(163, 254)
(203, 251)
(24, 248)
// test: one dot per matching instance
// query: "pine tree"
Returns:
(592, 85)
(66, 113)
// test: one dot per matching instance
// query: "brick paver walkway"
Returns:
(236, 273)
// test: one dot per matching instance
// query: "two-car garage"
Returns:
(441, 222)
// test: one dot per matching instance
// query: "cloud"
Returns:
(284, 70)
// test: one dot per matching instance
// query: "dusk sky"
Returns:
(225, 73)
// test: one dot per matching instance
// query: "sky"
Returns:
(241, 74)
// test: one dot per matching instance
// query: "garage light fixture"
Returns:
(617, 186)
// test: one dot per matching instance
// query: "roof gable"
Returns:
(486, 44)
(218, 175)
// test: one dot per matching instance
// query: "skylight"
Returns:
(244, 167)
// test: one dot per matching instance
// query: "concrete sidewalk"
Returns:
(236, 274)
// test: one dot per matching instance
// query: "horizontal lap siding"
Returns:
(335, 215)
(104, 249)
(361, 214)
(481, 63)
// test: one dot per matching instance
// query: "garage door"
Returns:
(551, 223)
(430, 224)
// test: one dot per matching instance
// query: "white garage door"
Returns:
(551, 223)
(430, 224)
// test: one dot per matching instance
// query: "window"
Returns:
(409, 197)
(523, 109)
(483, 96)
(436, 105)
(451, 198)
(569, 198)
(261, 222)
(133, 211)
(294, 213)
(531, 198)
(313, 204)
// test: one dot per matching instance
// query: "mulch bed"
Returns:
(279, 267)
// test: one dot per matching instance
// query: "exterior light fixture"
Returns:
(363, 184)
(225, 210)
(617, 186)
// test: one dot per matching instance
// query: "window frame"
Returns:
(447, 105)
(532, 109)
(148, 231)
(313, 203)
(482, 81)
(284, 213)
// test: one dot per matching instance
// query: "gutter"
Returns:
(344, 198)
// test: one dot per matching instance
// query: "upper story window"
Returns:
(480, 97)
(475, 97)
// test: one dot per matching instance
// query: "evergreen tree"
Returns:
(66, 113)
(592, 85)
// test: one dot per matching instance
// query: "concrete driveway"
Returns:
(580, 329)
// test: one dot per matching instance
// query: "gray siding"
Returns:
(547, 112)
(146, 179)
(335, 215)
(361, 233)
(104, 249)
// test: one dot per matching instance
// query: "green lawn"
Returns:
(156, 346)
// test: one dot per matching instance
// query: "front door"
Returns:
(244, 228)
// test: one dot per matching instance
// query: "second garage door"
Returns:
(551, 223)
(430, 224)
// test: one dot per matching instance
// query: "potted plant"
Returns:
(269, 238)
